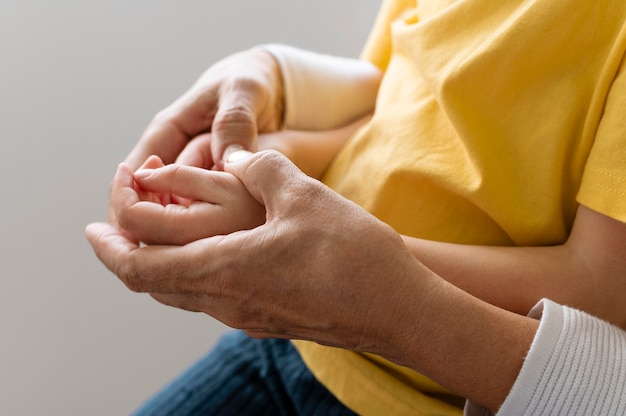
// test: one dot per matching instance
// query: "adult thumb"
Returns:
(232, 126)
(268, 175)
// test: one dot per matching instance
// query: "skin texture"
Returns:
(287, 277)
(267, 248)
(290, 278)
(228, 106)
(213, 203)
(234, 100)
(587, 271)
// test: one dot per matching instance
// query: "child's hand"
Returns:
(155, 162)
(178, 204)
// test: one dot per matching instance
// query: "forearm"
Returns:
(457, 339)
(311, 151)
(586, 272)
(525, 366)
(513, 278)
(572, 352)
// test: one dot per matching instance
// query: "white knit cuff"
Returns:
(323, 92)
(576, 366)
(525, 388)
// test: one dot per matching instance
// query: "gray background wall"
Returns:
(79, 81)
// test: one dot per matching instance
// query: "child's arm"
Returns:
(588, 271)
(311, 151)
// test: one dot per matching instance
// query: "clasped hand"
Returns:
(261, 247)
(178, 204)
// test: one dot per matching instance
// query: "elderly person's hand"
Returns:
(316, 269)
(321, 268)
(229, 105)
(235, 99)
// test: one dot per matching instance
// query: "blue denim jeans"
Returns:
(246, 376)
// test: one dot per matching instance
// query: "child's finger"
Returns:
(188, 182)
(172, 224)
(153, 162)
(122, 191)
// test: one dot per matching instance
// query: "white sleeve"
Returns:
(575, 366)
(323, 92)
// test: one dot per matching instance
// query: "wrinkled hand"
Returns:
(320, 268)
(177, 204)
(234, 100)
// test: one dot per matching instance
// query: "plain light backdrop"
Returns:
(79, 81)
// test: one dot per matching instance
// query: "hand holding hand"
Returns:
(177, 204)
(234, 100)
(320, 267)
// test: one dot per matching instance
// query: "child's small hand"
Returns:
(155, 162)
(178, 204)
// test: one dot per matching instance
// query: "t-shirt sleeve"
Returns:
(575, 366)
(322, 91)
(603, 186)
(377, 49)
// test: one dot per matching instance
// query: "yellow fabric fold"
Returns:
(493, 117)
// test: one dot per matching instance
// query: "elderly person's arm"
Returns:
(576, 366)
(303, 274)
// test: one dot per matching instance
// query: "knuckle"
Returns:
(161, 116)
(235, 125)
(177, 174)
(162, 120)
(248, 83)
(124, 219)
(267, 160)
(272, 162)
(177, 227)
(235, 115)
(130, 275)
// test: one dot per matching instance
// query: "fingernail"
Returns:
(230, 150)
(143, 173)
(235, 152)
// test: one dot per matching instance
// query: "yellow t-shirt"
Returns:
(495, 118)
